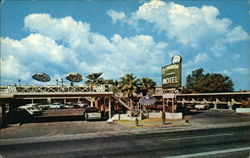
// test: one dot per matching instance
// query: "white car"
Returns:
(32, 109)
(44, 107)
(201, 107)
(56, 105)
(81, 104)
(68, 105)
(92, 113)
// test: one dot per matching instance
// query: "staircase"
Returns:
(123, 101)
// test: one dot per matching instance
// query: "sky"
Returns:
(120, 37)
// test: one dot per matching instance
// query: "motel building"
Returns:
(167, 101)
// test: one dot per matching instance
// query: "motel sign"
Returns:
(171, 74)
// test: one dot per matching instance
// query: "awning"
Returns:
(147, 101)
(41, 77)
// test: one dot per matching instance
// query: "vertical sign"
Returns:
(171, 74)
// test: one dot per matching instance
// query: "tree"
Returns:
(146, 85)
(94, 79)
(128, 86)
(207, 83)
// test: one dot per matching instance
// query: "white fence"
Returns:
(56, 89)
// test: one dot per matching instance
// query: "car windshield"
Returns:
(91, 110)
(56, 103)
(31, 108)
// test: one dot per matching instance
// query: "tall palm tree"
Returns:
(128, 86)
(94, 79)
(146, 85)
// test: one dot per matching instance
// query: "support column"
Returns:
(172, 105)
(163, 116)
(109, 108)
(91, 102)
(230, 106)
(164, 107)
(168, 104)
(204, 101)
(96, 102)
(183, 102)
(215, 104)
(217, 101)
(110, 119)
(48, 100)
(64, 100)
(233, 101)
(103, 104)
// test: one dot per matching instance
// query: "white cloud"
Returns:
(14, 69)
(58, 46)
(237, 34)
(66, 29)
(190, 26)
(116, 15)
(201, 58)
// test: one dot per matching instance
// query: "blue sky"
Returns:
(120, 37)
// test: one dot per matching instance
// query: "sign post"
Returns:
(171, 80)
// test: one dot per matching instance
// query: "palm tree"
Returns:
(128, 86)
(94, 79)
(146, 85)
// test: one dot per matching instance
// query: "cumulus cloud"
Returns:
(116, 15)
(189, 26)
(62, 45)
(199, 59)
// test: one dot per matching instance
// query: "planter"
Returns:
(242, 110)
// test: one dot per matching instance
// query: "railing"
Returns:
(56, 89)
(126, 104)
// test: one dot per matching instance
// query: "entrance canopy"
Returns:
(147, 101)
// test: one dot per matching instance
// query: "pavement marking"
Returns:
(211, 153)
(214, 135)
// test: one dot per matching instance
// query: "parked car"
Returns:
(81, 104)
(32, 109)
(44, 107)
(201, 107)
(56, 105)
(68, 105)
(92, 113)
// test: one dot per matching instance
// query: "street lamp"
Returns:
(19, 81)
